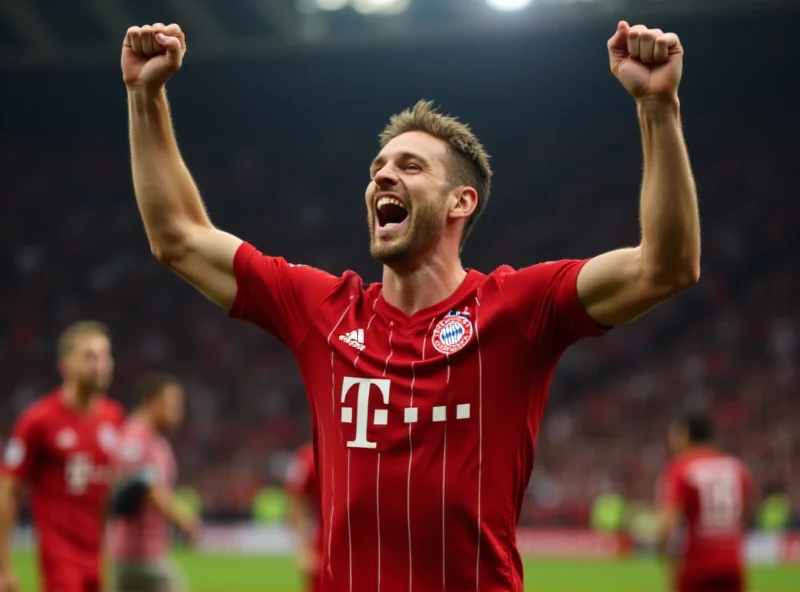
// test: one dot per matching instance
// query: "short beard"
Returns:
(424, 231)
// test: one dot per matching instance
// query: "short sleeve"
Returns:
(277, 296)
(544, 298)
(22, 449)
(300, 474)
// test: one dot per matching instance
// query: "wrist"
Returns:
(657, 107)
(139, 92)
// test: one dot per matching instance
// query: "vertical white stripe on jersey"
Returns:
(444, 482)
(330, 445)
(349, 529)
(378, 478)
(410, 458)
(480, 441)
(378, 505)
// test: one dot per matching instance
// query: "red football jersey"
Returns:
(301, 480)
(65, 457)
(426, 423)
(712, 490)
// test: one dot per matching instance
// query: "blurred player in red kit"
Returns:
(305, 514)
(426, 389)
(708, 493)
(144, 504)
(62, 448)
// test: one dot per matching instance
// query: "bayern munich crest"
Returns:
(452, 333)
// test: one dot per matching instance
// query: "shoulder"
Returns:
(543, 270)
(41, 410)
(676, 468)
(133, 441)
(112, 410)
(347, 289)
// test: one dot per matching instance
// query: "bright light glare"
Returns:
(331, 4)
(381, 6)
(508, 5)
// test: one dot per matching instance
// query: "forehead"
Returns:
(417, 144)
(90, 341)
(173, 391)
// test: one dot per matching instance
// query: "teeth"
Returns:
(389, 200)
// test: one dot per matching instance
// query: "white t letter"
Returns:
(362, 406)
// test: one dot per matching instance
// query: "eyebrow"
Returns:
(380, 160)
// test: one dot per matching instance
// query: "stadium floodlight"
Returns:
(312, 7)
(508, 5)
(381, 6)
(331, 4)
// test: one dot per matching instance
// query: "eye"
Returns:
(412, 166)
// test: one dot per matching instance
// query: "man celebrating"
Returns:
(427, 389)
(63, 447)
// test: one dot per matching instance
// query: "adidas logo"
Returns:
(354, 339)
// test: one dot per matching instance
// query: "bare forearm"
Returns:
(168, 198)
(301, 520)
(8, 517)
(162, 500)
(669, 215)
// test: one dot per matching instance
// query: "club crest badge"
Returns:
(453, 332)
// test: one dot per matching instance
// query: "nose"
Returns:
(386, 177)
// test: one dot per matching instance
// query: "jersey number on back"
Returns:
(720, 498)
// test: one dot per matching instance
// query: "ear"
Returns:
(464, 202)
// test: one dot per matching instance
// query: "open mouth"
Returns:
(390, 211)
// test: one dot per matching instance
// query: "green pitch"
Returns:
(219, 573)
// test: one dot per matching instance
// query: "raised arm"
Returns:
(180, 233)
(621, 285)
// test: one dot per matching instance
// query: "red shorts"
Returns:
(64, 576)
(733, 582)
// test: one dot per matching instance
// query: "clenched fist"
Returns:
(648, 62)
(152, 54)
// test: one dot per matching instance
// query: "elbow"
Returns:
(169, 250)
(669, 283)
(686, 277)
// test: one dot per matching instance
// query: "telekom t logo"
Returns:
(381, 416)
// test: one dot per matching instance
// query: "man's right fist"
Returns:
(152, 54)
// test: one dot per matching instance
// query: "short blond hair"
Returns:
(67, 338)
(469, 163)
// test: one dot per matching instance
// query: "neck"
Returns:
(412, 290)
(77, 398)
(147, 419)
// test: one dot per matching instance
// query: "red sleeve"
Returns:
(22, 449)
(545, 299)
(300, 474)
(671, 491)
(277, 296)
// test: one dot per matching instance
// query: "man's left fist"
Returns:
(648, 62)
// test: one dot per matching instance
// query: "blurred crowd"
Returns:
(72, 247)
